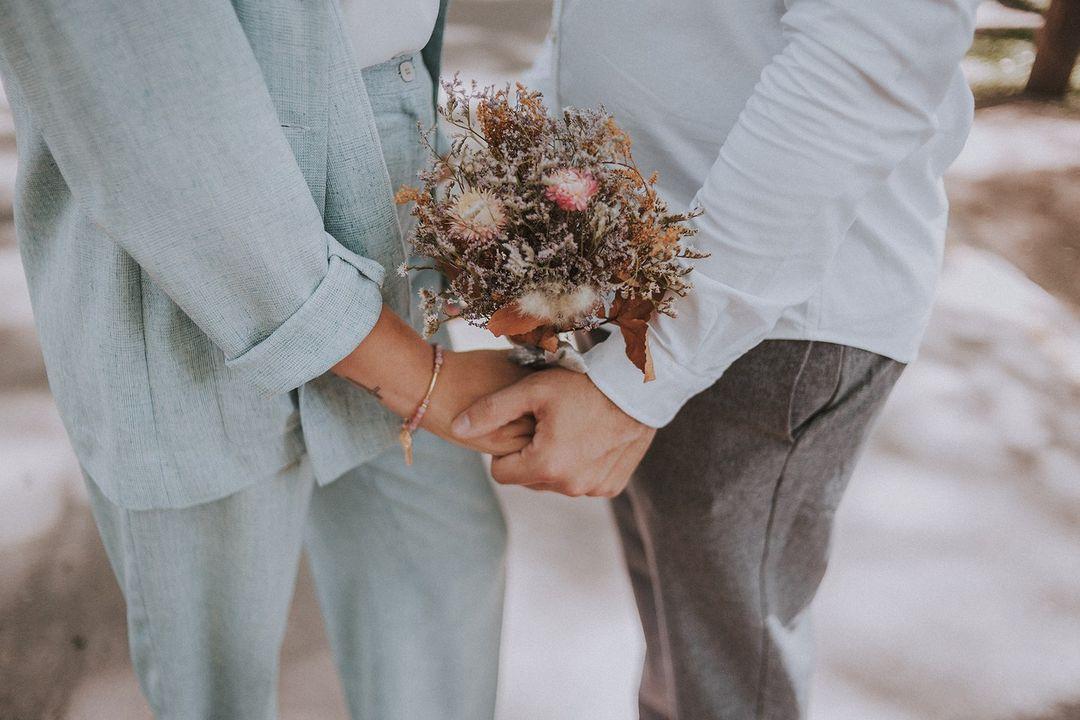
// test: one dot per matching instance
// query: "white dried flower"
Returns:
(559, 305)
(477, 215)
(518, 263)
(431, 324)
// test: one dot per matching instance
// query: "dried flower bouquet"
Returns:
(544, 225)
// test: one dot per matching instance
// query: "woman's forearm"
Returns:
(393, 363)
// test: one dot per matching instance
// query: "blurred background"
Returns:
(954, 593)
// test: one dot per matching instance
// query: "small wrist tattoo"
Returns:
(375, 392)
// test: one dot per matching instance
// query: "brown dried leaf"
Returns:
(509, 320)
(544, 337)
(633, 316)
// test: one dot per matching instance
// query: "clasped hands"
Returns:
(547, 430)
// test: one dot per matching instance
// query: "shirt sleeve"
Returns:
(541, 75)
(159, 119)
(853, 93)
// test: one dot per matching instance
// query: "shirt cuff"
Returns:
(330, 324)
(653, 403)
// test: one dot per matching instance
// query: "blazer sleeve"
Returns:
(854, 92)
(160, 122)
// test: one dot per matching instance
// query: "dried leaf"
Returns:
(509, 320)
(544, 337)
(633, 316)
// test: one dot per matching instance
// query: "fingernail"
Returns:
(461, 425)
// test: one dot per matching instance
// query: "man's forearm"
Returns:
(832, 117)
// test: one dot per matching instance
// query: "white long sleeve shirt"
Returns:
(813, 133)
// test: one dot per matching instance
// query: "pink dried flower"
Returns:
(570, 189)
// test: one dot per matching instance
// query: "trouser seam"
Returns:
(147, 630)
(839, 379)
(794, 389)
(763, 600)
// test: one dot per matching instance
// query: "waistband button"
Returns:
(407, 71)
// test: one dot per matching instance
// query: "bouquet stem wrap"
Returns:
(565, 356)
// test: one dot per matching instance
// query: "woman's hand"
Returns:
(465, 378)
(395, 364)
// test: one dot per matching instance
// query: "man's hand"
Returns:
(583, 443)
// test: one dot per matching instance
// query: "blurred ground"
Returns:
(955, 589)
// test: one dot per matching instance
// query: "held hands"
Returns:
(395, 365)
(583, 443)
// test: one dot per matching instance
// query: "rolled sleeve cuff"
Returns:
(652, 403)
(330, 324)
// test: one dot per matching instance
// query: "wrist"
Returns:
(411, 423)
(441, 408)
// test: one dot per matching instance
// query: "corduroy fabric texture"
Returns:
(726, 527)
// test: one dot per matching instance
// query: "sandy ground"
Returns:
(955, 589)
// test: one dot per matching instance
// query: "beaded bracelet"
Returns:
(408, 426)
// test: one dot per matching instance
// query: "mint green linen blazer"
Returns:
(206, 224)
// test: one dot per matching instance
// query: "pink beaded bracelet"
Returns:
(408, 426)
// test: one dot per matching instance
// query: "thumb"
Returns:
(493, 411)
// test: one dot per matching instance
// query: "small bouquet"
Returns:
(545, 226)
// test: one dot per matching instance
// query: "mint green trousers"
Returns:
(408, 566)
(408, 561)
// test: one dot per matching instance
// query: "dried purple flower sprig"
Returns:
(544, 224)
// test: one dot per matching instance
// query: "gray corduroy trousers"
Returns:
(726, 527)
